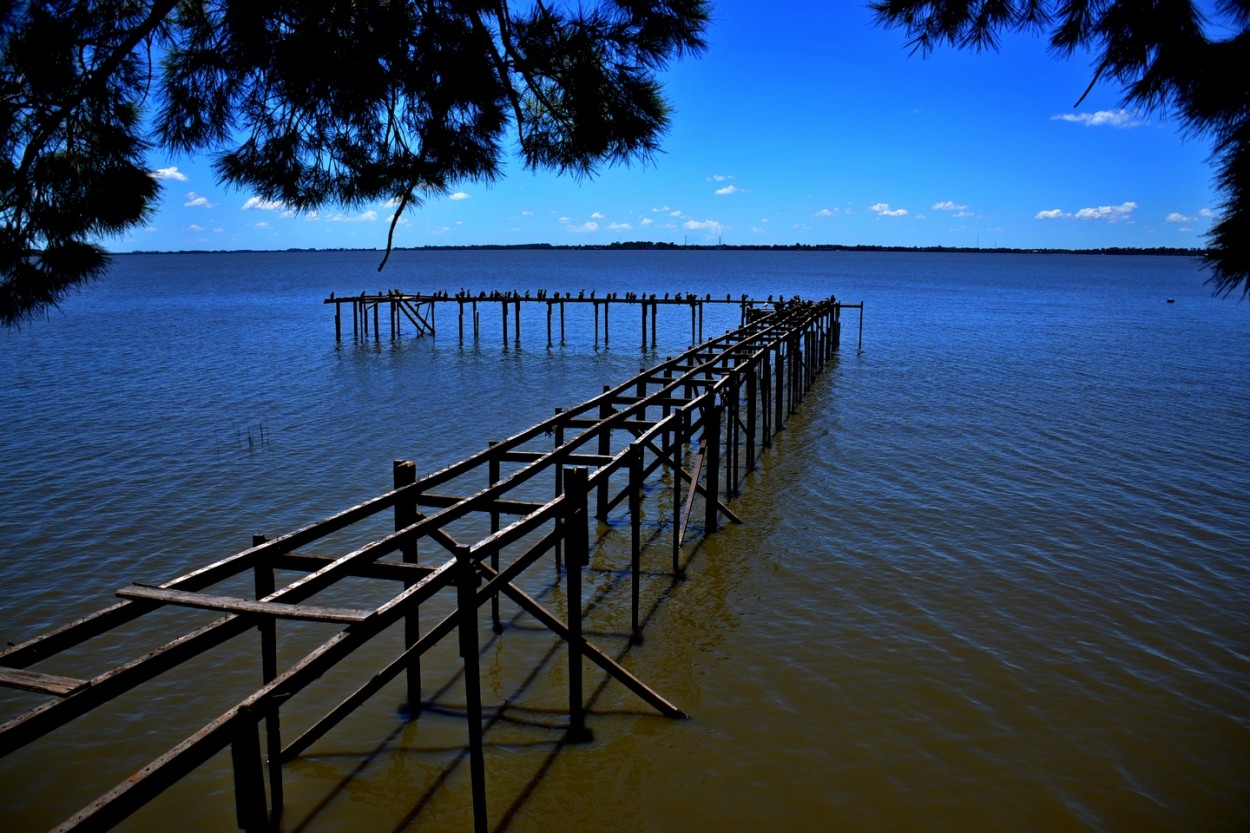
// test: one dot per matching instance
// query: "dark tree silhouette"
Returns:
(1164, 55)
(306, 102)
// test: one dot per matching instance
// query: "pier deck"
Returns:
(693, 425)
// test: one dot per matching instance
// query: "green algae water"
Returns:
(993, 575)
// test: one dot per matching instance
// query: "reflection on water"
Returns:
(993, 575)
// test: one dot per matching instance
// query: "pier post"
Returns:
(549, 306)
(249, 778)
(562, 323)
(596, 306)
(577, 546)
(466, 608)
(679, 461)
(493, 477)
(711, 436)
(338, 321)
(635, 530)
(752, 397)
(604, 450)
(268, 627)
(516, 307)
(779, 389)
(732, 435)
(503, 306)
(404, 473)
(766, 410)
(653, 312)
(460, 302)
(606, 331)
(559, 441)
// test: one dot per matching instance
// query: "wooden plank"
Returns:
(41, 683)
(206, 601)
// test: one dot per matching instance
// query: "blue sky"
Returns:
(802, 123)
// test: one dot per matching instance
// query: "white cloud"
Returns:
(565, 220)
(1110, 213)
(964, 214)
(620, 226)
(264, 205)
(363, 217)
(706, 225)
(194, 227)
(727, 190)
(950, 205)
(459, 195)
(676, 213)
(1102, 118)
(1177, 217)
(882, 209)
(596, 216)
(1206, 212)
(718, 178)
(194, 200)
(170, 174)
(824, 212)
(647, 221)
(527, 213)
(261, 224)
(585, 228)
(1051, 214)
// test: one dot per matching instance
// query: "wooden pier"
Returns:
(694, 425)
(366, 312)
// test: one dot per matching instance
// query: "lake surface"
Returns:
(995, 575)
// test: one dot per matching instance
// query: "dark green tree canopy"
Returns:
(1165, 54)
(307, 102)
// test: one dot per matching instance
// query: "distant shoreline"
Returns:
(642, 246)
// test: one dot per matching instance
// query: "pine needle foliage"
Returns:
(307, 103)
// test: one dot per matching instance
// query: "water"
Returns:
(993, 576)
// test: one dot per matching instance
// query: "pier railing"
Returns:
(491, 518)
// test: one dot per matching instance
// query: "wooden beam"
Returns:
(36, 681)
(206, 601)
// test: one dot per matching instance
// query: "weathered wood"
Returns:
(39, 682)
(206, 601)
(596, 655)
(576, 544)
(466, 605)
(404, 473)
(268, 627)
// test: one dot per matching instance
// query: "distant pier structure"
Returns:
(371, 313)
